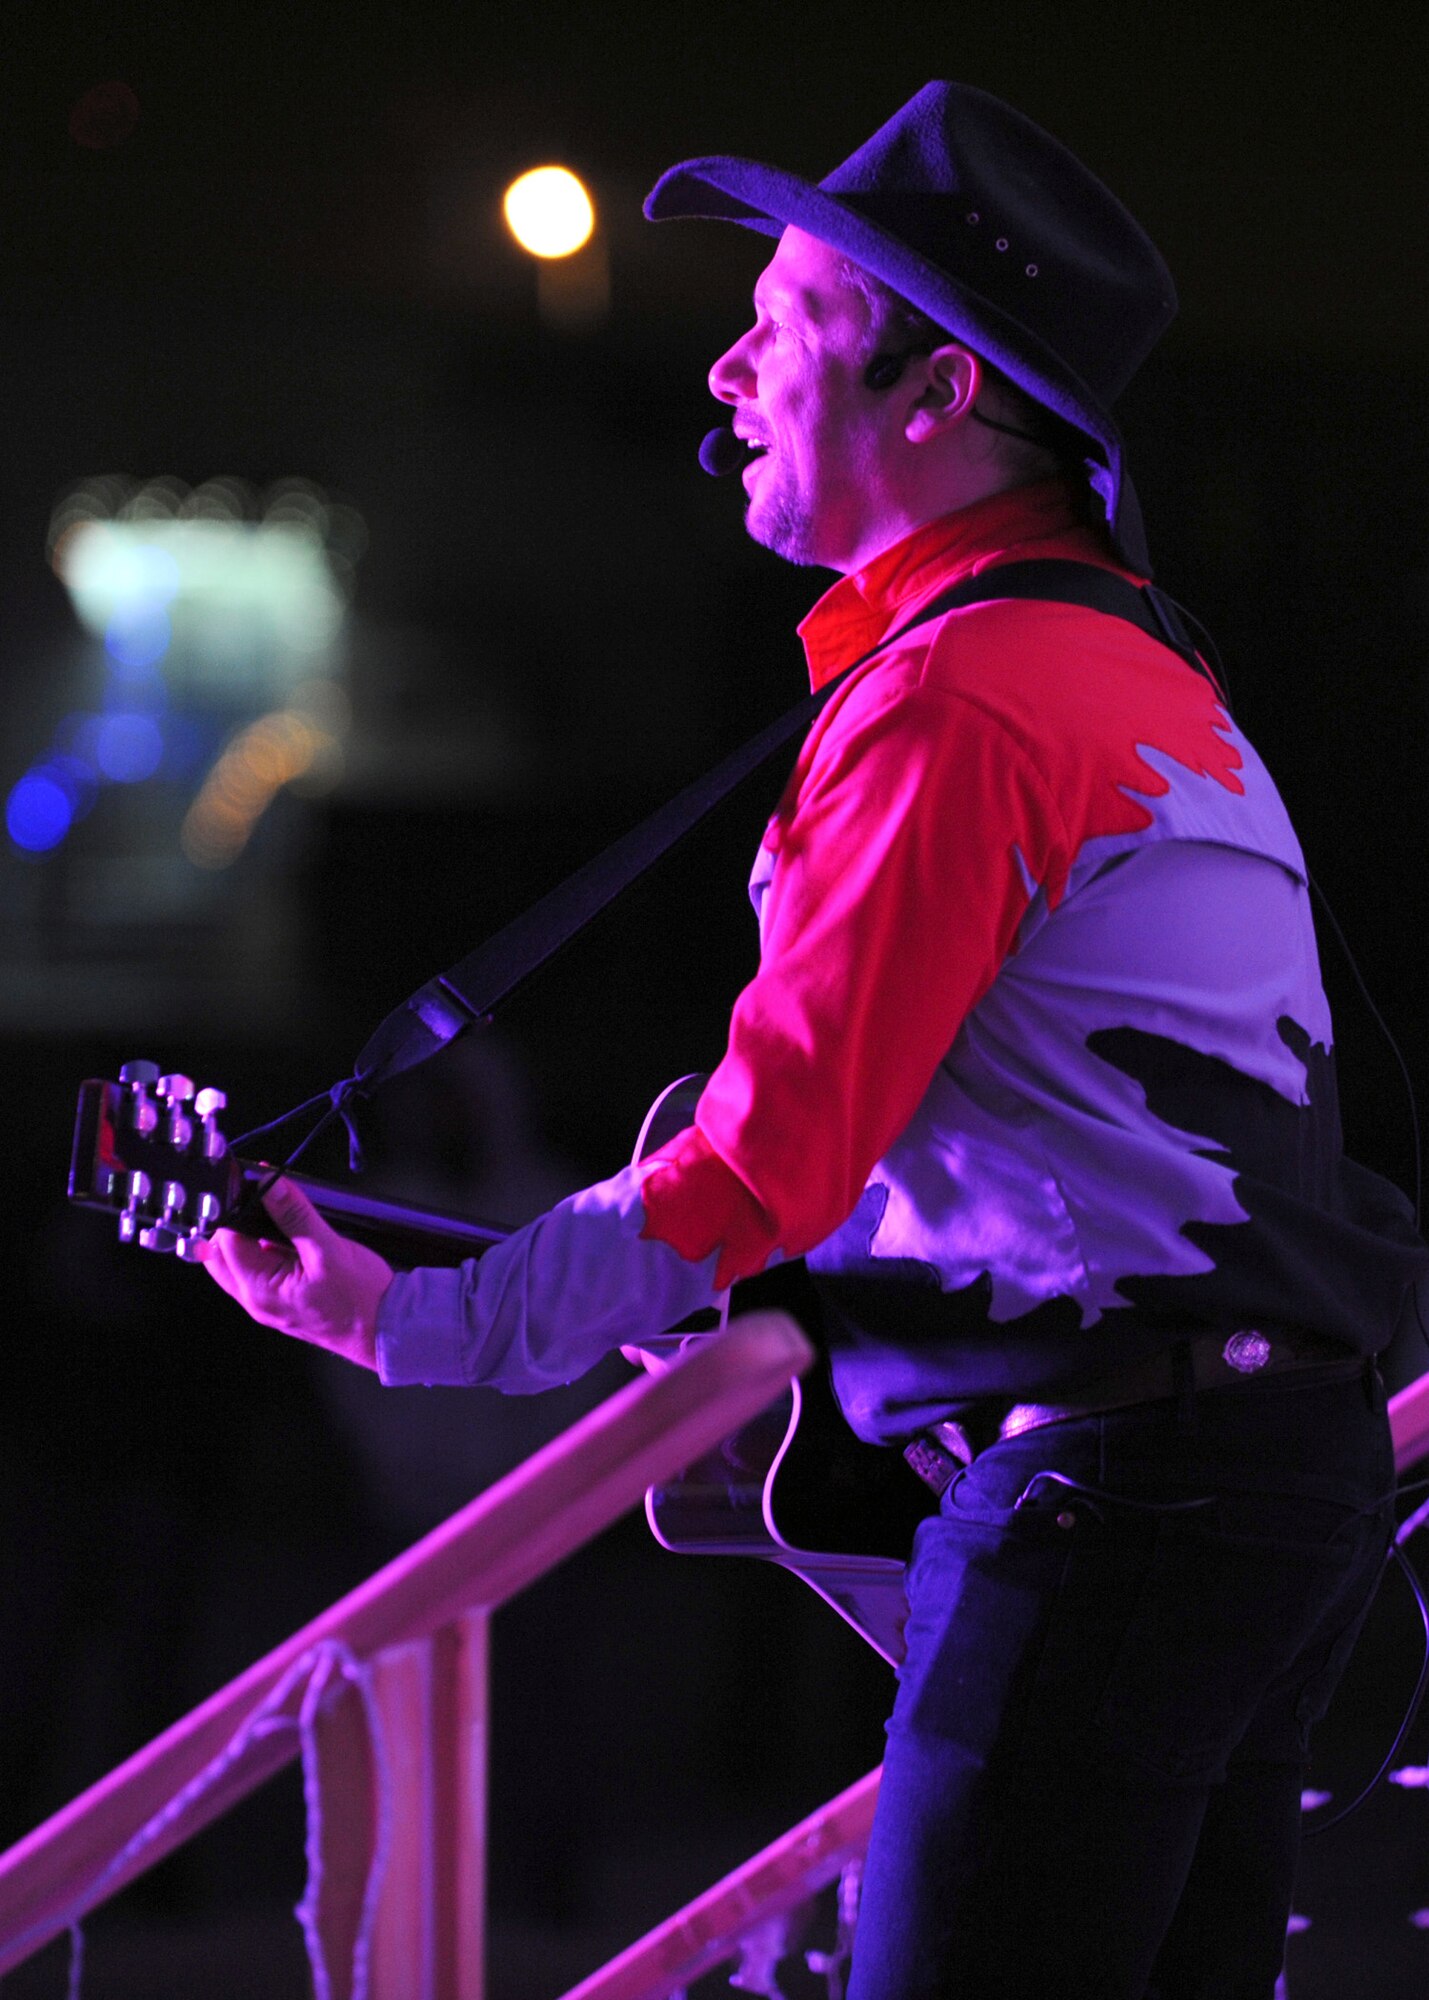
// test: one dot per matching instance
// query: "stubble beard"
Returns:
(780, 522)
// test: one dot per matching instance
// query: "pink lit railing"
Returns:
(417, 1634)
(777, 1881)
(408, 1651)
(1409, 1423)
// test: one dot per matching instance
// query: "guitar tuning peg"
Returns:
(208, 1104)
(140, 1078)
(132, 1222)
(176, 1091)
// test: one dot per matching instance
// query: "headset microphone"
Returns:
(722, 452)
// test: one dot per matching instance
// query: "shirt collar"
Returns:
(859, 610)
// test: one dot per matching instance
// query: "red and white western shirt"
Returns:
(1036, 1067)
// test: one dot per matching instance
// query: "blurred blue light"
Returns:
(127, 748)
(136, 685)
(75, 777)
(74, 740)
(138, 636)
(188, 747)
(38, 812)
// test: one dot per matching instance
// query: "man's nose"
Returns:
(732, 377)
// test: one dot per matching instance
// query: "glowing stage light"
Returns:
(549, 212)
(39, 812)
(128, 748)
(188, 587)
(126, 576)
(138, 638)
(274, 751)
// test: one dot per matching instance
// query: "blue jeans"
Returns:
(1121, 1631)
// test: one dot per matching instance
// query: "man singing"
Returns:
(1036, 1074)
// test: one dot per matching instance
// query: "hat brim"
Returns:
(726, 188)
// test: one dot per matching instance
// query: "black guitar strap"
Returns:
(481, 982)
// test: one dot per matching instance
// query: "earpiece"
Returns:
(884, 370)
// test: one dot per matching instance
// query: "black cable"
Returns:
(1396, 1554)
(1394, 1047)
(1406, 1078)
(1212, 652)
(1209, 651)
(1093, 1494)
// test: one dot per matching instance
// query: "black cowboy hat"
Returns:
(992, 228)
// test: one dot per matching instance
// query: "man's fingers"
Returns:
(245, 1267)
(211, 1255)
(318, 1286)
(297, 1218)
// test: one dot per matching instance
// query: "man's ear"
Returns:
(951, 384)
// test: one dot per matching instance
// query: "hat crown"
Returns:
(984, 195)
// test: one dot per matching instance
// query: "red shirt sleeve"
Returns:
(903, 852)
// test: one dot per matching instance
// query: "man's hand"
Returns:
(319, 1287)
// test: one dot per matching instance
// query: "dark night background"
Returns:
(291, 264)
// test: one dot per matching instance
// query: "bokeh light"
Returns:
(38, 812)
(138, 638)
(188, 587)
(274, 751)
(136, 558)
(549, 212)
(128, 748)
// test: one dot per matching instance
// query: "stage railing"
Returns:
(400, 1662)
(774, 1883)
(417, 1633)
(1409, 1423)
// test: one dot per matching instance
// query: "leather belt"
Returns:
(1207, 1361)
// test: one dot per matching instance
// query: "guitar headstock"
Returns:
(149, 1150)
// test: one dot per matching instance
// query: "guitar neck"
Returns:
(405, 1235)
